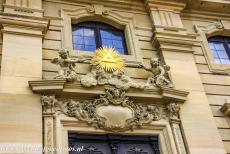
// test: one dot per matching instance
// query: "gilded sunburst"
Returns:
(108, 59)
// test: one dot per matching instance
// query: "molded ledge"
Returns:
(61, 87)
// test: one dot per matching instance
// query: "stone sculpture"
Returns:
(117, 78)
(173, 110)
(48, 104)
(159, 72)
(67, 65)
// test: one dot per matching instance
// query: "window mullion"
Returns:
(227, 48)
(98, 37)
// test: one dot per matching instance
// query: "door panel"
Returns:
(113, 144)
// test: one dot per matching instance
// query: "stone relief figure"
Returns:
(115, 96)
(67, 65)
(173, 110)
(117, 78)
(159, 74)
(48, 104)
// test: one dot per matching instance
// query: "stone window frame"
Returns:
(99, 13)
(219, 28)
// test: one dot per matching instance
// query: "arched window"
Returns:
(88, 36)
(220, 47)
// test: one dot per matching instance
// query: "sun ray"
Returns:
(108, 59)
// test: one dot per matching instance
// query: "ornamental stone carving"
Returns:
(159, 73)
(116, 77)
(104, 111)
(48, 104)
(95, 77)
(67, 65)
(173, 110)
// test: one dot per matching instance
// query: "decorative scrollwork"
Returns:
(87, 110)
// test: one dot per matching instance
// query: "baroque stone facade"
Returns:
(169, 86)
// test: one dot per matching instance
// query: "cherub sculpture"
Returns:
(159, 74)
(67, 65)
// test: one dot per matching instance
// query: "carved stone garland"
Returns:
(87, 110)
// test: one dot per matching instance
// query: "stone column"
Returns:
(23, 28)
(175, 46)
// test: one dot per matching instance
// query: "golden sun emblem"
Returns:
(108, 59)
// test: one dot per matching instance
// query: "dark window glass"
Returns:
(220, 47)
(88, 36)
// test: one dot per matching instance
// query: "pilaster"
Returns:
(23, 28)
(175, 46)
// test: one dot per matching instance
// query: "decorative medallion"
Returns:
(108, 59)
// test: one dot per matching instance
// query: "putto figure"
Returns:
(159, 74)
(67, 65)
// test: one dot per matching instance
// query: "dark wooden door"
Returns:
(113, 144)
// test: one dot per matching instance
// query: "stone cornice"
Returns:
(217, 6)
(169, 5)
(204, 15)
(34, 23)
(173, 41)
(43, 86)
(165, 95)
(23, 9)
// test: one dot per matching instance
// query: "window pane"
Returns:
(90, 48)
(117, 36)
(84, 38)
(88, 32)
(218, 61)
(214, 53)
(223, 54)
(211, 46)
(78, 32)
(89, 41)
(219, 46)
(105, 34)
(121, 51)
(117, 44)
(225, 61)
(78, 40)
(91, 35)
(113, 38)
(79, 47)
(107, 42)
